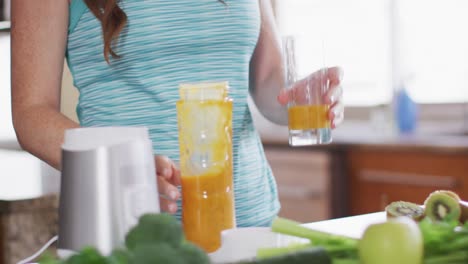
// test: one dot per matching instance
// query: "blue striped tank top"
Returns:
(165, 43)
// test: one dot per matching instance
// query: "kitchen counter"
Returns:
(362, 136)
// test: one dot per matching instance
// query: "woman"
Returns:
(128, 58)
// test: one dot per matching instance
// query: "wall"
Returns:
(69, 96)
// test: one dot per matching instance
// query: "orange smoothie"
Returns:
(205, 140)
(304, 117)
(207, 202)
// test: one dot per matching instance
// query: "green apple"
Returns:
(397, 241)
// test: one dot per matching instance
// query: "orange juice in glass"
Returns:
(304, 117)
(308, 121)
(204, 114)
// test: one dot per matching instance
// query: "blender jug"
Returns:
(205, 139)
(108, 181)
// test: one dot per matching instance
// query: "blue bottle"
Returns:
(406, 112)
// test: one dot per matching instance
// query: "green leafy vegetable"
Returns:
(119, 256)
(444, 242)
(193, 254)
(157, 238)
(87, 255)
(156, 253)
(155, 228)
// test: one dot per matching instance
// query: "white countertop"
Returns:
(353, 226)
(242, 243)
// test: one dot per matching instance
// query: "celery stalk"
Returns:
(453, 258)
(292, 228)
(271, 252)
(346, 261)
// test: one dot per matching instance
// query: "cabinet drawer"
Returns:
(299, 168)
(303, 183)
(379, 177)
(305, 210)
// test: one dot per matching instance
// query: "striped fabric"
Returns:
(168, 42)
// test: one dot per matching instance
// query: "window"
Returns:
(382, 44)
(434, 49)
(353, 34)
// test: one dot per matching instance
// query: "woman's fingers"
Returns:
(336, 114)
(167, 169)
(297, 92)
(304, 90)
(283, 97)
(163, 166)
(335, 75)
(168, 177)
(168, 195)
(175, 175)
(333, 95)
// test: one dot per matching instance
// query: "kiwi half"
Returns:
(453, 194)
(463, 205)
(464, 211)
(401, 208)
(442, 206)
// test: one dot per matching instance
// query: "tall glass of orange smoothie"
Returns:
(204, 114)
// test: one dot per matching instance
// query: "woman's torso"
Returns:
(166, 43)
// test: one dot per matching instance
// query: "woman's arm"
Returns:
(267, 75)
(38, 42)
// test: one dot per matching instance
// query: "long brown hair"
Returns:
(113, 20)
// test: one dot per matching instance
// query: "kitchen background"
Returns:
(384, 46)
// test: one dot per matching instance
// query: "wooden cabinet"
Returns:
(378, 176)
(303, 182)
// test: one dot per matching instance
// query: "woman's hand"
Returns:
(333, 96)
(168, 177)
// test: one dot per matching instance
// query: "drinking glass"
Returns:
(308, 121)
